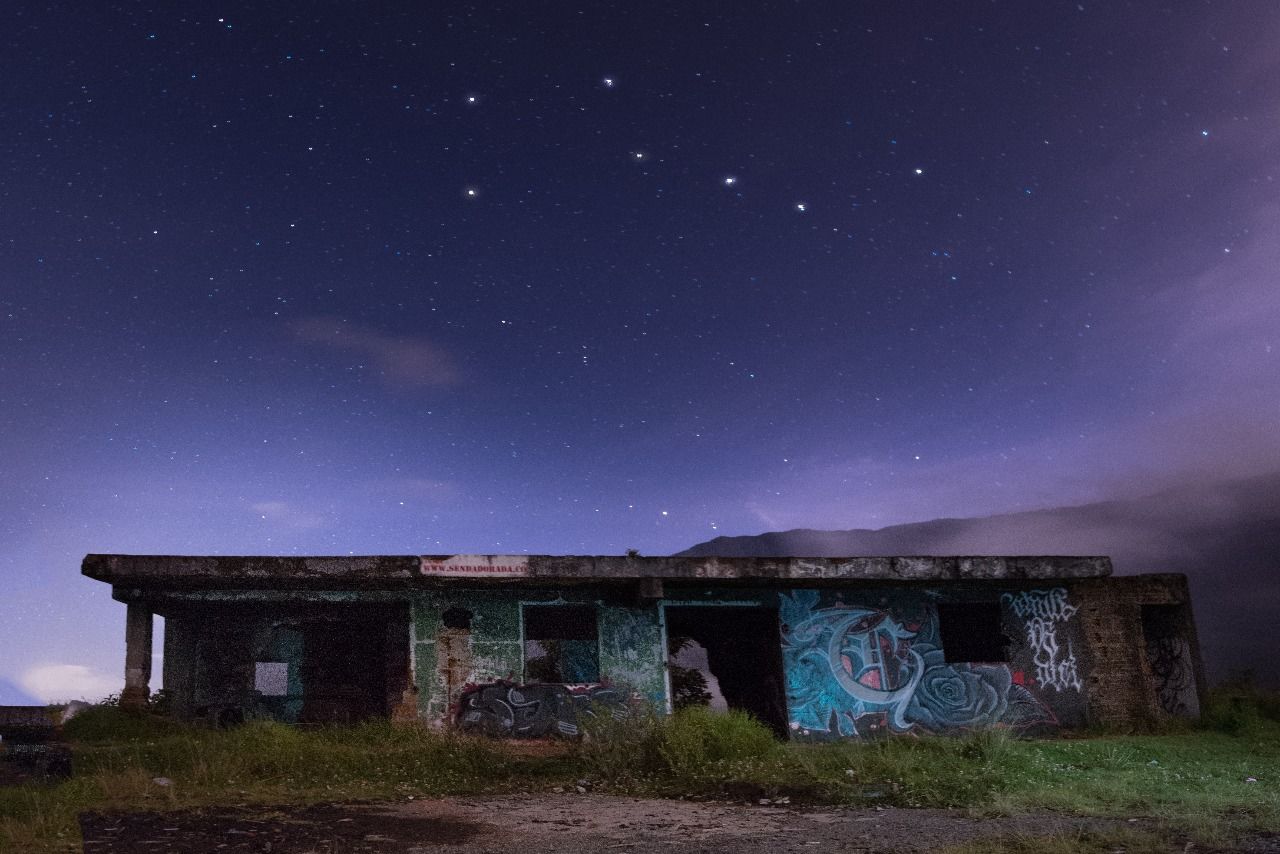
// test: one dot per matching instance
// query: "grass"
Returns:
(125, 762)
(1187, 784)
(1108, 841)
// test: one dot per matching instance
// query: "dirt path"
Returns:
(587, 823)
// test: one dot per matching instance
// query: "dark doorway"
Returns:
(353, 667)
(743, 659)
(1166, 630)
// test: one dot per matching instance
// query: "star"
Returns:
(608, 82)
(801, 207)
(639, 156)
(919, 171)
(471, 192)
(729, 180)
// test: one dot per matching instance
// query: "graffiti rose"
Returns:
(952, 696)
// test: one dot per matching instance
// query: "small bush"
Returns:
(617, 750)
(107, 722)
(695, 750)
(695, 738)
(1239, 707)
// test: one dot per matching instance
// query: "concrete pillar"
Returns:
(137, 656)
(404, 702)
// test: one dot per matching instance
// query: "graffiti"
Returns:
(856, 671)
(846, 666)
(1051, 605)
(508, 710)
(954, 696)
(1174, 674)
(1042, 611)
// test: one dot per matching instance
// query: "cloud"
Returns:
(59, 683)
(284, 513)
(401, 362)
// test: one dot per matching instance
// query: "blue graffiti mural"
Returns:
(859, 671)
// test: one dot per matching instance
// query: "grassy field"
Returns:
(1190, 785)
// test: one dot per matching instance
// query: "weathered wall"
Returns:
(448, 661)
(1122, 686)
(858, 659)
(631, 651)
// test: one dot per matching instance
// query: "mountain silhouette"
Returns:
(1224, 535)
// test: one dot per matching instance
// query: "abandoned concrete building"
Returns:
(816, 648)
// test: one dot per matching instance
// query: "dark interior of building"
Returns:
(743, 652)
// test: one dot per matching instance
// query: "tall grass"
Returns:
(697, 752)
(1206, 784)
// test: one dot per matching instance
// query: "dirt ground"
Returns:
(588, 823)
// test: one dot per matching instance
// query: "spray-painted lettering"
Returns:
(1042, 612)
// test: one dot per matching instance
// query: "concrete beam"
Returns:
(405, 571)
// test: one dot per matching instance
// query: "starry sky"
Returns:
(409, 277)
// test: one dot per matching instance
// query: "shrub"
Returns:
(694, 746)
(1239, 707)
(108, 722)
(695, 738)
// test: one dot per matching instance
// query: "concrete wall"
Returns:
(1123, 687)
(447, 661)
(862, 661)
(858, 660)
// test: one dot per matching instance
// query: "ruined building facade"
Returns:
(817, 648)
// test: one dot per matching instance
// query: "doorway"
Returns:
(355, 663)
(727, 657)
(343, 671)
(1165, 628)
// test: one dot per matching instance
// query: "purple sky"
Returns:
(395, 281)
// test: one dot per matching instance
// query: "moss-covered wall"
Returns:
(445, 660)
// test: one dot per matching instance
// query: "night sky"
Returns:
(389, 278)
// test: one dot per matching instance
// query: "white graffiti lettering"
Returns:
(1046, 604)
(1043, 611)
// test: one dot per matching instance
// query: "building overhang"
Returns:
(429, 571)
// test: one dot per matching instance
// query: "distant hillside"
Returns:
(1225, 536)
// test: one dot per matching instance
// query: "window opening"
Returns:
(561, 643)
(456, 618)
(1164, 628)
(271, 678)
(971, 632)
